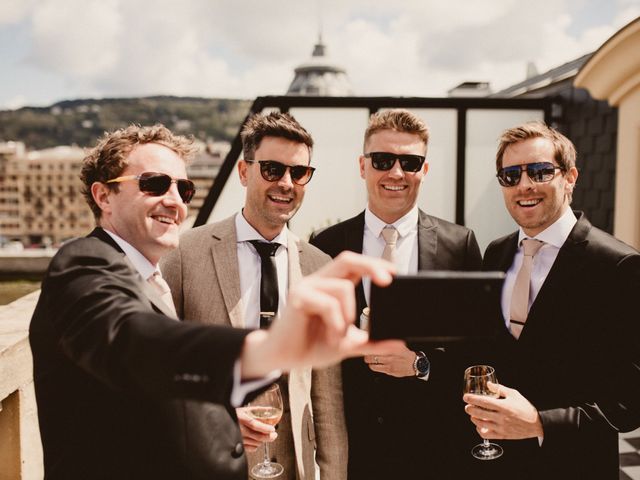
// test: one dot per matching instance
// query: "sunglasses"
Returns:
(157, 184)
(538, 172)
(273, 171)
(385, 161)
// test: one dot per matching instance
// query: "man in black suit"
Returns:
(117, 376)
(570, 361)
(396, 406)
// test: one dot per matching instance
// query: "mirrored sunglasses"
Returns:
(539, 172)
(385, 161)
(156, 184)
(273, 171)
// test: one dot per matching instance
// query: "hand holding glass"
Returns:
(267, 408)
(475, 382)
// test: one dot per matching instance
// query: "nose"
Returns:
(396, 170)
(172, 196)
(286, 181)
(525, 182)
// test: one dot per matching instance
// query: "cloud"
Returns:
(14, 11)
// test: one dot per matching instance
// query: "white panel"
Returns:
(438, 194)
(336, 191)
(485, 212)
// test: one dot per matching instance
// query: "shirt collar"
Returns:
(557, 233)
(245, 232)
(404, 225)
(143, 266)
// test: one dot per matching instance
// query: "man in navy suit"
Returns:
(568, 355)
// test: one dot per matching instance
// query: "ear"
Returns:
(101, 195)
(571, 178)
(425, 168)
(361, 159)
(242, 172)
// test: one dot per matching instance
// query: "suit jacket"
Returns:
(204, 277)
(403, 422)
(577, 358)
(115, 378)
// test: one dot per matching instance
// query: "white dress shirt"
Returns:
(144, 267)
(554, 237)
(250, 264)
(406, 257)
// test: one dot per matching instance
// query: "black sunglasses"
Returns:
(157, 184)
(385, 161)
(538, 172)
(273, 171)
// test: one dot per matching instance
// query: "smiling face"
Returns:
(150, 224)
(536, 206)
(393, 193)
(270, 205)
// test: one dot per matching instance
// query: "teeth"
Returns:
(163, 219)
(394, 188)
(276, 198)
(528, 203)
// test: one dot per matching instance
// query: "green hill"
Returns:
(81, 122)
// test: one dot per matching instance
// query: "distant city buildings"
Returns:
(41, 203)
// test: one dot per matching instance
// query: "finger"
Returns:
(482, 414)
(377, 347)
(331, 299)
(499, 389)
(483, 401)
(353, 266)
(378, 367)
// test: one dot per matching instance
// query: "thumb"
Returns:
(501, 390)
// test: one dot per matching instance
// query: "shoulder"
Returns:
(607, 247)
(85, 251)
(426, 220)
(313, 253)
(334, 234)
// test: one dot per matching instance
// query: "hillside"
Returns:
(81, 122)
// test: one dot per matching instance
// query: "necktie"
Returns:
(163, 290)
(521, 287)
(390, 235)
(268, 281)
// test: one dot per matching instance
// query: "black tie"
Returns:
(268, 281)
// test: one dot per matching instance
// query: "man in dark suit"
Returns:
(568, 352)
(397, 406)
(116, 375)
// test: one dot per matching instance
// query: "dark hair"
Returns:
(274, 124)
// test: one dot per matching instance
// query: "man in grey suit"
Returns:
(216, 277)
(398, 407)
(567, 355)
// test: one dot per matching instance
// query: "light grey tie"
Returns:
(390, 235)
(163, 290)
(521, 287)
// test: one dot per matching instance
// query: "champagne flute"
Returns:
(475, 381)
(267, 408)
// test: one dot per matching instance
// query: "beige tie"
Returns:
(163, 290)
(521, 287)
(390, 235)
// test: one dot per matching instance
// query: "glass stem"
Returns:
(486, 443)
(267, 460)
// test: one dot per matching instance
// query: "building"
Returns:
(319, 76)
(41, 203)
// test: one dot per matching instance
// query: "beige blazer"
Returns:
(204, 278)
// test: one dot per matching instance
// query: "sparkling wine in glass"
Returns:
(475, 382)
(267, 408)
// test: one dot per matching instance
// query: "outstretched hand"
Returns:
(317, 326)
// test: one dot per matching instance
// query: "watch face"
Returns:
(422, 365)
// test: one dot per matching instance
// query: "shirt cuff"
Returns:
(241, 389)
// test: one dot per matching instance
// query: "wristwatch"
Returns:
(421, 365)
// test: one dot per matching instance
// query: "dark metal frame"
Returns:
(461, 105)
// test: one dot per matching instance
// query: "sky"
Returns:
(52, 50)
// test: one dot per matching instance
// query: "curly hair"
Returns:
(108, 159)
(397, 119)
(274, 124)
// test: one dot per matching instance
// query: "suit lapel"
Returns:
(353, 240)
(299, 379)
(427, 243)
(224, 253)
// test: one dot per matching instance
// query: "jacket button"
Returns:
(380, 420)
(238, 450)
